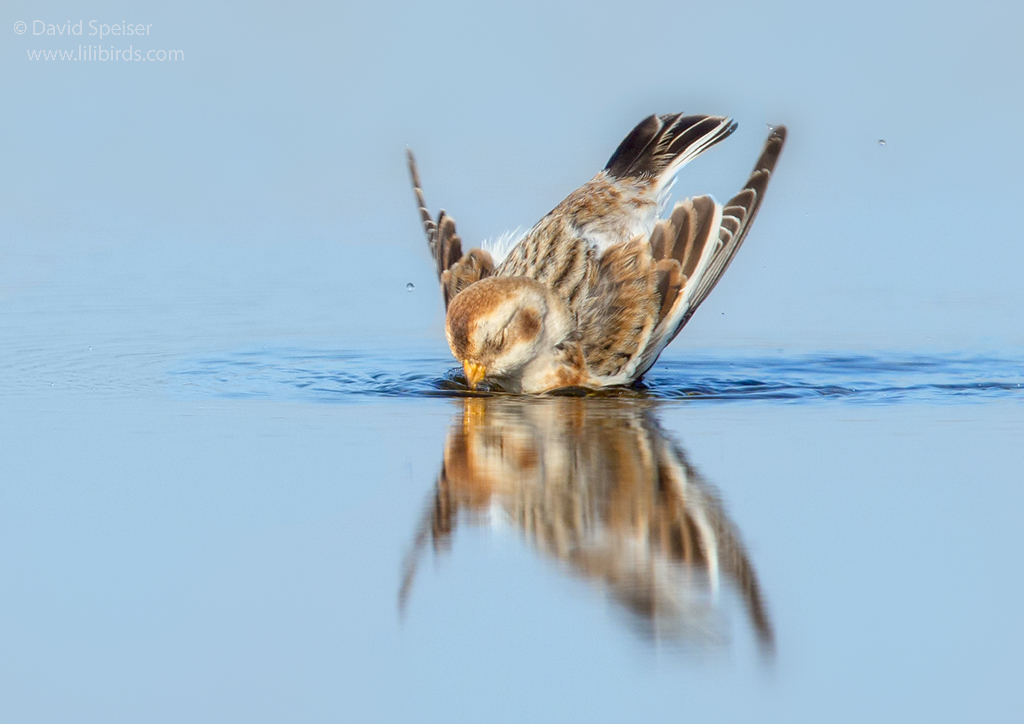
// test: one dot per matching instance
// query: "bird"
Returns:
(591, 295)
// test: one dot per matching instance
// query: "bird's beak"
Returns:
(474, 373)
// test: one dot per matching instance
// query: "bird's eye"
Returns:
(503, 338)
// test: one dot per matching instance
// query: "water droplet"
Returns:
(409, 287)
(881, 141)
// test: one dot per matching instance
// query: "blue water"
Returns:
(210, 542)
(332, 376)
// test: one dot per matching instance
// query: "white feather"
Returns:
(668, 176)
(500, 247)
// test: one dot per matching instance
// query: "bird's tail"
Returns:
(661, 145)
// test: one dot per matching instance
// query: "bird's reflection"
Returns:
(598, 486)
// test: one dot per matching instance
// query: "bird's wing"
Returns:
(695, 245)
(455, 270)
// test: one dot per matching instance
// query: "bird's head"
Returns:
(499, 326)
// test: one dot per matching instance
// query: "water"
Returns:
(326, 376)
(286, 532)
(206, 516)
(263, 550)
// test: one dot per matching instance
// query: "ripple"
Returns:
(331, 376)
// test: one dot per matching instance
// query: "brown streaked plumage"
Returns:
(598, 487)
(610, 283)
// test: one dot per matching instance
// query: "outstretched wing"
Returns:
(695, 245)
(455, 270)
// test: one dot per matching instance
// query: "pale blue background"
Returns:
(176, 557)
(281, 137)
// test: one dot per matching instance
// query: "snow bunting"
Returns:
(591, 295)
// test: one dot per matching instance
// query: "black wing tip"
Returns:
(763, 171)
(776, 140)
(410, 159)
(765, 166)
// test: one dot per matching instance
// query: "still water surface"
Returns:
(314, 535)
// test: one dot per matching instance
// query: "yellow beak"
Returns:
(474, 373)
